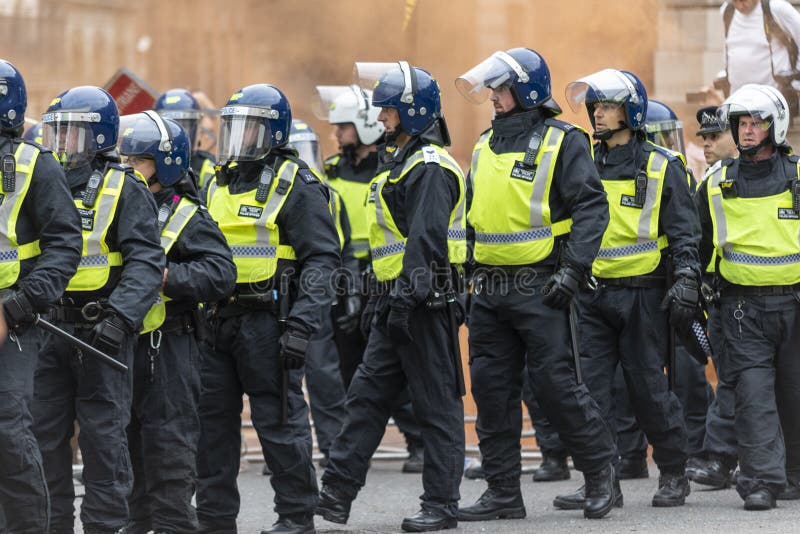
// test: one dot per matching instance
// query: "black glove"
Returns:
(349, 320)
(109, 334)
(368, 314)
(397, 325)
(562, 287)
(18, 310)
(682, 300)
(294, 344)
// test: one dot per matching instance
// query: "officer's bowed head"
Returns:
(610, 88)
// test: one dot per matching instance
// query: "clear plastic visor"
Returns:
(498, 69)
(307, 147)
(245, 133)
(668, 134)
(608, 85)
(330, 97)
(367, 76)
(731, 112)
(69, 135)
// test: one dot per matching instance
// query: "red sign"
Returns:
(131, 93)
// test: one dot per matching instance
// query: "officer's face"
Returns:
(346, 135)
(744, 6)
(502, 99)
(752, 130)
(143, 165)
(717, 146)
(390, 119)
(608, 116)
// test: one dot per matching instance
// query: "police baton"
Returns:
(451, 303)
(79, 344)
(573, 334)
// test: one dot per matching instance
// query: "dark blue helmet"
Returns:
(523, 70)
(663, 127)
(611, 86)
(256, 119)
(161, 139)
(81, 123)
(13, 97)
(181, 106)
(34, 133)
(415, 95)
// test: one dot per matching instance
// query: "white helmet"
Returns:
(763, 103)
(349, 104)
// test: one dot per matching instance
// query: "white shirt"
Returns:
(748, 54)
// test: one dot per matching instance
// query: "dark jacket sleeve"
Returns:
(349, 265)
(200, 264)
(580, 188)
(431, 194)
(49, 205)
(142, 256)
(706, 224)
(679, 219)
(306, 220)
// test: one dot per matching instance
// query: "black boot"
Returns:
(760, 499)
(791, 492)
(474, 472)
(716, 472)
(428, 520)
(415, 461)
(495, 503)
(672, 490)
(600, 493)
(552, 469)
(577, 500)
(631, 468)
(292, 524)
(334, 506)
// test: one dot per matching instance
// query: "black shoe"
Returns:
(693, 464)
(552, 469)
(292, 524)
(208, 527)
(495, 503)
(672, 490)
(415, 461)
(716, 472)
(600, 493)
(475, 472)
(760, 499)
(790, 493)
(428, 520)
(631, 468)
(333, 505)
(577, 500)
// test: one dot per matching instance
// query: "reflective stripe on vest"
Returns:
(631, 245)
(249, 225)
(11, 252)
(756, 239)
(169, 235)
(511, 213)
(206, 173)
(96, 258)
(335, 205)
(387, 244)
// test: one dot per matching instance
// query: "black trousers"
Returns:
(246, 361)
(626, 326)
(70, 386)
(425, 368)
(759, 360)
(546, 436)
(164, 432)
(509, 328)
(23, 489)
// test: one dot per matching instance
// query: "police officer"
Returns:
(532, 255)
(274, 214)
(717, 143)
(358, 130)
(164, 428)
(749, 213)
(181, 106)
(40, 253)
(117, 281)
(625, 321)
(326, 391)
(417, 242)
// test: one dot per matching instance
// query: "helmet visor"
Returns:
(307, 147)
(369, 74)
(668, 134)
(245, 133)
(330, 100)
(729, 112)
(70, 136)
(140, 136)
(608, 85)
(187, 118)
(491, 73)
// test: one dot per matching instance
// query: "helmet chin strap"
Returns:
(605, 135)
(751, 150)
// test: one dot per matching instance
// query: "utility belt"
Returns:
(645, 281)
(734, 290)
(82, 316)
(179, 323)
(443, 282)
(268, 300)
